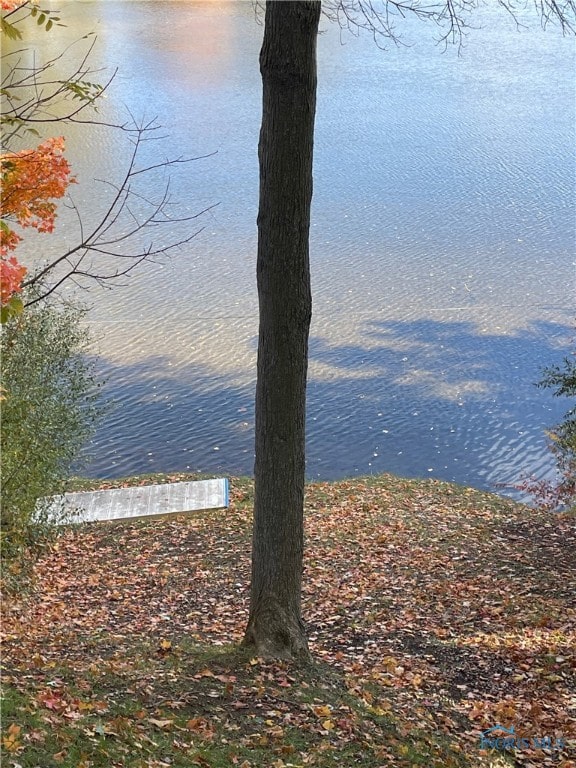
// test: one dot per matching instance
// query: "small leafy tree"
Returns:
(48, 391)
(49, 405)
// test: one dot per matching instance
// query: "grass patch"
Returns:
(184, 705)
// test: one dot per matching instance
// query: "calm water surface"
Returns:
(442, 246)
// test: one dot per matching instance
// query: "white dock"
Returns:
(145, 501)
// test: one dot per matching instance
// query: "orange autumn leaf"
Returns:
(11, 741)
(10, 5)
(11, 275)
(31, 180)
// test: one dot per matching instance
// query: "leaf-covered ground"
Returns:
(434, 613)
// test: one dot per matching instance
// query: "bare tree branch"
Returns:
(380, 18)
(117, 234)
(33, 95)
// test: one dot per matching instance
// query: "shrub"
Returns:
(560, 494)
(49, 406)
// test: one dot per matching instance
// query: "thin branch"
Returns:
(118, 228)
(379, 17)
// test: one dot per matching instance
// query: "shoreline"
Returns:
(402, 489)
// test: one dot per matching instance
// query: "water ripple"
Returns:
(442, 248)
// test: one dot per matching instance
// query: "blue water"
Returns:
(442, 246)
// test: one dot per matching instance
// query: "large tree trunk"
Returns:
(288, 67)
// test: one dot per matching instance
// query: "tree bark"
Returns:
(288, 67)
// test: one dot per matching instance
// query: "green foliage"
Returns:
(10, 30)
(562, 493)
(49, 406)
(562, 378)
(44, 18)
(82, 89)
(14, 307)
(18, 82)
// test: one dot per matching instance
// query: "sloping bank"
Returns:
(435, 613)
